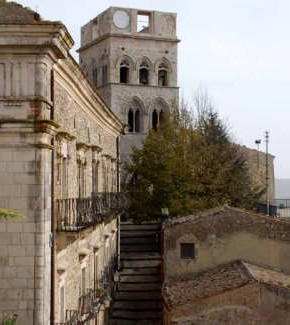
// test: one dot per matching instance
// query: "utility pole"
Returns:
(267, 173)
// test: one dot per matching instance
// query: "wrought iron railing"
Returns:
(282, 203)
(90, 301)
(74, 214)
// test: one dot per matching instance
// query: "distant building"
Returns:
(261, 171)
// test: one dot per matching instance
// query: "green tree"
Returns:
(187, 164)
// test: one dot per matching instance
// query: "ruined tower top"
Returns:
(130, 22)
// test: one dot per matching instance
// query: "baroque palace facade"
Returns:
(59, 151)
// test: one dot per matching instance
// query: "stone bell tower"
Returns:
(130, 56)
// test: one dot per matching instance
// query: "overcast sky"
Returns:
(239, 50)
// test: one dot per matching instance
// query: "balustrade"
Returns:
(75, 214)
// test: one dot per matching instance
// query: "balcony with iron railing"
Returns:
(75, 214)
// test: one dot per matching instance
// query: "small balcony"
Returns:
(89, 305)
(75, 214)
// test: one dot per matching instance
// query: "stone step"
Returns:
(131, 295)
(140, 248)
(140, 233)
(139, 240)
(133, 322)
(137, 295)
(138, 305)
(140, 278)
(140, 263)
(140, 255)
(125, 286)
(142, 226)
(137, 315)
(140, 271)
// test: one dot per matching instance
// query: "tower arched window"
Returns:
(124, 72)
(162, 74)
(104, 74)
(95, 76)
(144, 73)
(157, 117)
(154, 120)
(161, 115)
(162, 78)
(137, 120)
(134, 120)
(131, 120)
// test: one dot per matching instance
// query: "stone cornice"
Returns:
(46, 126)
(96, 148)
(82, 146)
(65, 135)
(130, 36)
(41, 36)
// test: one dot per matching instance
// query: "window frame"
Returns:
(185, 255)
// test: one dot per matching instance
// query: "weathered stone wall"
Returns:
(25, 165)
(48, 112)
(236, 306)
(91, 250)
(255, 303)
(224, 235)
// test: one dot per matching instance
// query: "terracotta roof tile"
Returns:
(220, 279)
(267, 275)
(206, 284)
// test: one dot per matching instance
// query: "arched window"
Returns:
(161, 116)
(124, 72)
(131, 120)
(104, 74)
(156, 118)
(162, 78)
(137, 120)
(162, 74)
(95, 76)
(144, 73)
(159, 108)
(134, 120)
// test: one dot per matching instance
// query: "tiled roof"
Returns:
(220, 279)
(209, 283)
(269, 276)
(14, 13)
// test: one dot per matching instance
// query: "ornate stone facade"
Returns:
(59, 152)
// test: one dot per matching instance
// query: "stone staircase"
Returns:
(137, 298)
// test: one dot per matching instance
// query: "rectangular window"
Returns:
(64, 178)
(96, 271)
(187, 251)
(81, 179)
(61, 305)
(83, 281)
(143, 22)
